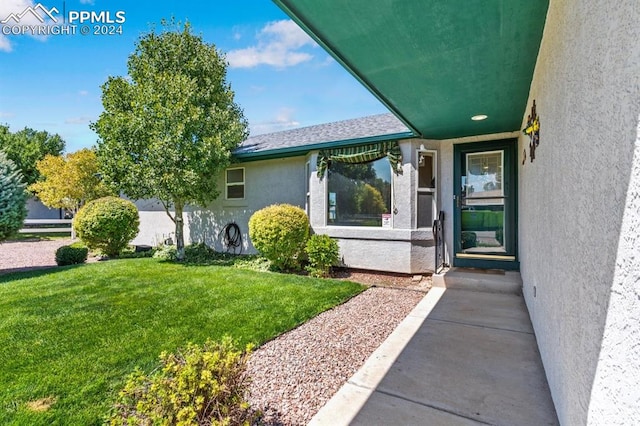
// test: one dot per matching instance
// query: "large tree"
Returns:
(27, 146)
(168, 129)
(13, 198)
(69, 181)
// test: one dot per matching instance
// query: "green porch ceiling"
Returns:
(434, 63)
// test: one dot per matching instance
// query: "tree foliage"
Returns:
(69, 181)
(369, 200)
(13, 198)
(27, 146)
(168, 129)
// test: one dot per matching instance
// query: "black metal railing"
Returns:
(438, 235)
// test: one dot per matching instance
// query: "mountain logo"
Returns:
(38, 11)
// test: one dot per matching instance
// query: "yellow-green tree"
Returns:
(69, 181)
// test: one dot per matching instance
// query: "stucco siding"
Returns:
(266, 182)
(579, 210)
(155, 224)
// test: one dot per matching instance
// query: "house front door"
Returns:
(485, 202)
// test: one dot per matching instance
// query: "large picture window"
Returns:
(359, 194)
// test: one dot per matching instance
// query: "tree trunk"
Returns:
(179, 230)
(73, 220)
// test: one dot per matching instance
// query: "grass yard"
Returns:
(71, 335)
(40, 236)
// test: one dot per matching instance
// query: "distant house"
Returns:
(37, 210)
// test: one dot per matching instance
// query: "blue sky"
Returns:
(281, 78)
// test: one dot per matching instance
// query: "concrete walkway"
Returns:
(460, 358)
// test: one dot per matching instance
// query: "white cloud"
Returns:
(5, 114)
(283, 120)
(279, 45)
(237, 32)
(83, 93)
(5, 45)
(38, 16)
(10, 9)
(78, 120)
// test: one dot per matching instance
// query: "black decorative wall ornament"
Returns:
(532, 129)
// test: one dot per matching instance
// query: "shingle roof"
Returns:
(354, 131)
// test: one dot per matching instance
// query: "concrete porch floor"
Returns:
(461, 357)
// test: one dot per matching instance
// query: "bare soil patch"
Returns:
(385, 279)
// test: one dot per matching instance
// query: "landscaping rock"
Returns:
(295, 374)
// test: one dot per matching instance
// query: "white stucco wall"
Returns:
(579, 210)
(155, 224)
(266, 182)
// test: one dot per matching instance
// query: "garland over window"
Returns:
(362, 154)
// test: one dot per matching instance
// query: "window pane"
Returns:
(359, 194)
(425, 210)
(235, 176)
(483, 229)
(426, 178)
(484, 175)
(235, 191)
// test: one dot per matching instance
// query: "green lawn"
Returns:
(40, 236)
(74, 333)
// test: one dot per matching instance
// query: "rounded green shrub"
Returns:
(323, 253)
(13, 198)
(198, 385)
(107, 224)
(72, 254)
(280, 232)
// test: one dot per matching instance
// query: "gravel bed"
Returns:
(294, 375)
(27, 254)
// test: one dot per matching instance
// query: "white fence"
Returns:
(41, 226)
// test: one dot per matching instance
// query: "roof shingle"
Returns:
(374, 126)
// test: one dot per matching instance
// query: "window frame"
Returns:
(326, 204)
(229, 184)
(433, 191)
(307, 187)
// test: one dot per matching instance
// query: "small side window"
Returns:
(426, 193)
(235, 183)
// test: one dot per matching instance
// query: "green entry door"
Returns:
(485, 200)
